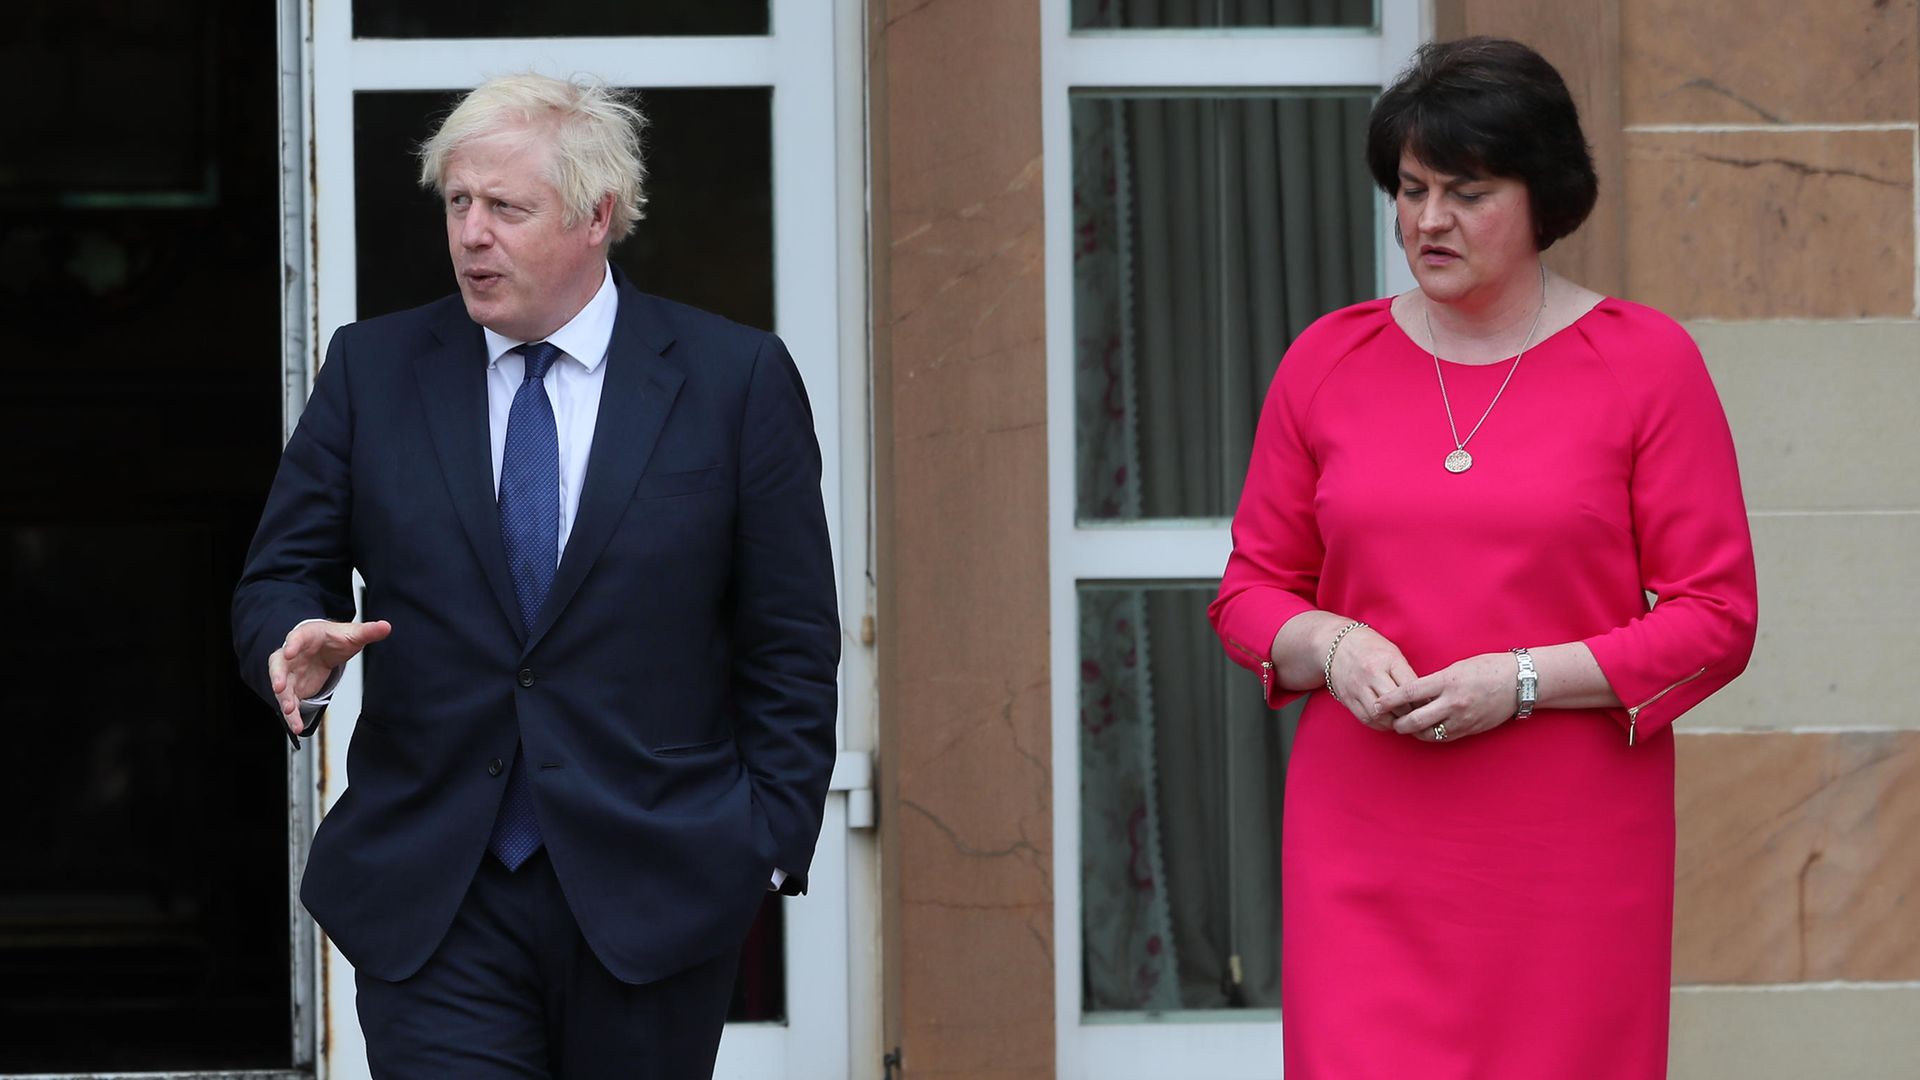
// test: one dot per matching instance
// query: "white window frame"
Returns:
(813, 60)
(1223, 1045)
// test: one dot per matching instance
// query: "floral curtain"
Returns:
(1208, 232)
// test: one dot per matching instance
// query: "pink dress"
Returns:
(1500, 907)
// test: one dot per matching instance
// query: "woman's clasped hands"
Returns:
(1373, 680)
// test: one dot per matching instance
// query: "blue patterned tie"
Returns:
(530, 526)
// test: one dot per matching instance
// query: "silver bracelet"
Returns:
(1335, 647)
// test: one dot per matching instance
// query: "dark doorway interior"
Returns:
(143, 825)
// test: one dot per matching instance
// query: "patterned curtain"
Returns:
(1208, 231)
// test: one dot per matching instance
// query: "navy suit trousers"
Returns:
(515, 992)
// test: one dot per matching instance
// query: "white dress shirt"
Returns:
(573, 386)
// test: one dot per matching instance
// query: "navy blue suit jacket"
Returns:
(676, 695)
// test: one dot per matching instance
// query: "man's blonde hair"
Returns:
(593, 133)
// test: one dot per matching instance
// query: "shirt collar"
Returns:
(585, 337)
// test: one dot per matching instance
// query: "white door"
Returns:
(755, 151)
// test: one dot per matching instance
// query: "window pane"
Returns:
(707, 239)
(143, 817)
(557, 18)
(1209, 232)
(1181, 774)
(1166, 14)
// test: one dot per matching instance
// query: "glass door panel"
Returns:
(559, 18)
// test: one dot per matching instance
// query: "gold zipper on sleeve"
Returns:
(1266, 668)
(1633, 714)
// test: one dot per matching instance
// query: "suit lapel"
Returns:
(453, 391)
(639, 391)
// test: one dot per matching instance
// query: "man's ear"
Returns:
(601, 221)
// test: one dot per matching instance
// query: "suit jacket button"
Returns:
(494, 767)
(526, 676)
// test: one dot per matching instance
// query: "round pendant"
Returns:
(1459, 461)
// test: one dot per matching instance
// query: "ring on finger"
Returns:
(1439, 732)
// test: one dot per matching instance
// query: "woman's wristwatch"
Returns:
(1527, 690)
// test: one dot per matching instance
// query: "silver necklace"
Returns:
(1459, 460)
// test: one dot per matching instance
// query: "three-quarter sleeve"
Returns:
(1274, 571)
(1695, 549)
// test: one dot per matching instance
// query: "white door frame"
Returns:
(814, 62)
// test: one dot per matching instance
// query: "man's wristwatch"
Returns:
(1527, 690)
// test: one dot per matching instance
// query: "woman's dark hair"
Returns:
(1486, 106)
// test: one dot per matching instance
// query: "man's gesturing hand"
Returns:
(300, 668)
